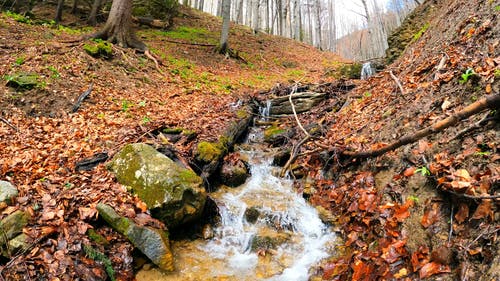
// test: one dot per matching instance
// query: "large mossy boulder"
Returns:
(150, 241)
(173, 194)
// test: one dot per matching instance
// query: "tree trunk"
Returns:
(74, 7)
(96, 6)
(59, 11)
(224, 36)
(118, 27)
(318, 24)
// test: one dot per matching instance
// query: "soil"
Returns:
(394, 220)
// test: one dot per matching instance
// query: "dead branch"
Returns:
(294, 155)
(9, 124)
(397, 82)
(492, 102)
(188, 43)
(81, 98)
(474, 126)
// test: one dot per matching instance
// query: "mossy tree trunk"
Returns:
(118, 27)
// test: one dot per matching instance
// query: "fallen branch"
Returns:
(9, 124)
(492, 102)
(188, 43)
(474, 126)
(151, 57)
(294, 155)
(81, 98)
(397, 82)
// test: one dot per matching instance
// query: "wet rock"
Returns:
(268, 241)
(252, 214)
(207, 232)
(234, 171)
(276, 135)
(7, 192)
(151, 242)
(173, 194)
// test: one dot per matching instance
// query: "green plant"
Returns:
(413, 198)
(482, 153)
(497, 72)
(145, 120)
(24, 80)
(55, 73)
(142, 103)
(367, 94)
(469, 73)
(497, 8)
(18, 17)
(19, 61)
(424, 171)
(126, 105)
(102, 258)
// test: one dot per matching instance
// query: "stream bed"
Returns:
(267, 231)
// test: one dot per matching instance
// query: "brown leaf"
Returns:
(483, 210)
(463, 213)
(402, 212)
(431, 215)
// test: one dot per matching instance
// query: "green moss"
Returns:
(99, 48)
(419, 34)
(349, 71)
(25, 80)
(96, 237)
(242, 114)
(209, 151)
(102, 258)
(271, 132)
(173, 130)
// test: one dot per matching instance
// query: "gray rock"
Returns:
(234, 171)
(173, 194)
(7, 191)
(151, 242)
(13, 225)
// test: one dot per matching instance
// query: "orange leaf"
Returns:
(433, 268)
(401, 212)
(409, 172)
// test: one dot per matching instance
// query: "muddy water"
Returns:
(281, 241)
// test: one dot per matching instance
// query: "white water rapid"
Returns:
(281, 239)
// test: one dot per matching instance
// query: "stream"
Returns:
(267, 231)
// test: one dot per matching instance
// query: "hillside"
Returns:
(429, 209)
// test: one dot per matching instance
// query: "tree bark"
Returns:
(96, 6)
(492, 102)
(118, 27)
(224, 36)
(59, 11)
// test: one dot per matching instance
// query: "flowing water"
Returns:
(267, 232)
(367, 70)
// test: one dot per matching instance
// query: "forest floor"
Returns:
(419, 211)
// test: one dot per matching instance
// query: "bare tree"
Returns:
(224, 36)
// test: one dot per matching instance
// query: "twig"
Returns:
(474, 197)
(397, 82)
(81, 98)
(451, 225)
(294, 155)
(9, 124)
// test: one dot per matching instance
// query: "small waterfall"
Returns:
(266, 232)
(367, 70)
(265, 111)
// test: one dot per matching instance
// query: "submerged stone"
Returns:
(150, 241)
(173, 194)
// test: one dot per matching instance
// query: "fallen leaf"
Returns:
(433, 268)
(462, 173)
(463, 213)
(483, 210)
(431, 215)
(409, 172)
